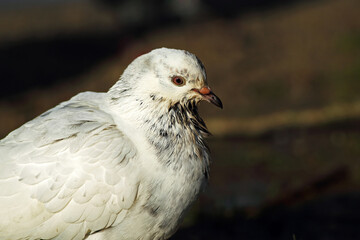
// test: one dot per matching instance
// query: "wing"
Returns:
(66, 174)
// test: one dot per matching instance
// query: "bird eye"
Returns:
(178, 81)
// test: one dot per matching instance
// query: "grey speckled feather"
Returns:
(125, 164)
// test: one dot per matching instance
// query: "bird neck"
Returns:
(174, 130)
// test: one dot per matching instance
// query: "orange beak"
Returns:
(209, 96)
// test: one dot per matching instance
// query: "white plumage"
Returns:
(124, 164)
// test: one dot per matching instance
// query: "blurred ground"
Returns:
(286, 147)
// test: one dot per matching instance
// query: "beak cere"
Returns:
(209, 96)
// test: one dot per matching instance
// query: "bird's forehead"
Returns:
(184, 64)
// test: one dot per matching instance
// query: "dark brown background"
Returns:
(286, 146)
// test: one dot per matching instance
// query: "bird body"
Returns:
(125, 164)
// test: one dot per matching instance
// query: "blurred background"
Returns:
(286, 146)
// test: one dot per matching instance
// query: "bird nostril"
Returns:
(205, 90)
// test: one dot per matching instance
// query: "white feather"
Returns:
(88, 168)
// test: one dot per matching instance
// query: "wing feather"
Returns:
(66, 173)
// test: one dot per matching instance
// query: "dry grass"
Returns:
(254, 126)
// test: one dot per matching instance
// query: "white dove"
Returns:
(125, 164)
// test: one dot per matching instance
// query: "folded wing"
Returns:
(66, 174)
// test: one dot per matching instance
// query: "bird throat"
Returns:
(177, 135)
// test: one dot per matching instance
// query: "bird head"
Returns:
(166, 75)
